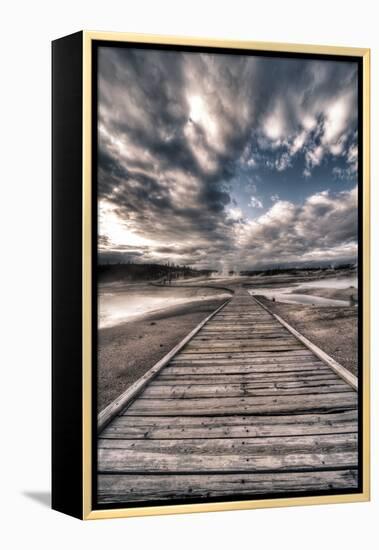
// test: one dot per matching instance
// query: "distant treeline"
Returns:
(147, 272)
(294, 270)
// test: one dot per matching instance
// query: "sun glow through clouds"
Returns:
(115, 230)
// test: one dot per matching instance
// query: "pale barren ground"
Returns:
(333, 329)
(128, 350)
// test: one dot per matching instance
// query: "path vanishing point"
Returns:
(243, 408)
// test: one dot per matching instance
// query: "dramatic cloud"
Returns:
(324, 228)
(193, 147)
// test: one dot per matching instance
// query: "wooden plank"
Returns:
(240, 446)
(222, 455)
(232, 338)
(245, 323)
(273, 342)
(180, 391)
(245, 405)
(262, 318)
(251, 318)
(257, 379)
(233, 330)
(241, 349)
(258, 322)
(242, 334)
(254, 343)
(242, 312)
(237, 347)
(277, 359)
(253, 327)
(234, 420)
(250, 365)
(245, 355)
(217, 378)
(138, 488)
(247, 369)
(241, 325)
(208, 427)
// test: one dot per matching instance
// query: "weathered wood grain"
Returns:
(250, 329)
(246, 354)
(245, 344)
(242, 446)
(277, 359)
(180, 391)
(243, 405)
(240, 378)
(210, 427)
(139, 488)
(254, 337)
(244, 369)
(232, 353)
(222, 455)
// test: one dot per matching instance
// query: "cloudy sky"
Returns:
(226, 162)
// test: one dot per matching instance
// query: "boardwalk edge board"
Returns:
(107, 414)
(332, 363)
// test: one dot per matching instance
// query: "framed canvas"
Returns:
(210, 275)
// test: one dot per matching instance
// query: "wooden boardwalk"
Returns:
(243, 409)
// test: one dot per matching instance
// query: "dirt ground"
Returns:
(127, 351)
(333, 329)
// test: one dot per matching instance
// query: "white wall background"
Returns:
(27, 29)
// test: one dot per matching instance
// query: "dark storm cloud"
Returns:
(175, 130)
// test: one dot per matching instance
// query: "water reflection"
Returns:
(120, 302)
